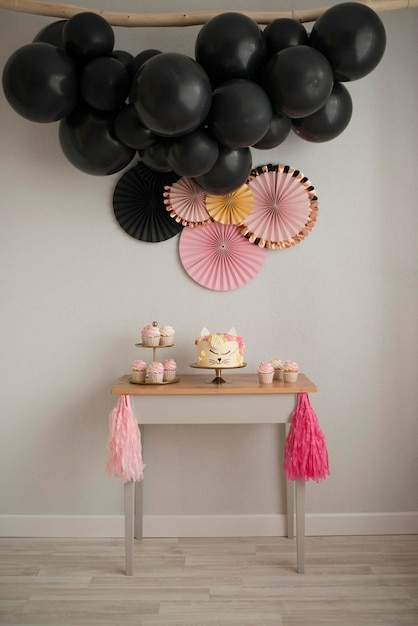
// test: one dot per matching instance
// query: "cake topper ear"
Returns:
(232, 332)
(204, 332)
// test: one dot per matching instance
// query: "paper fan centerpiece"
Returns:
(232, 207)
(218, 257)
(139, 205)
(285, 207)
(185, 202)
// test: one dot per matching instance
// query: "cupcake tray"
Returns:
(154, 358)
(148, 382)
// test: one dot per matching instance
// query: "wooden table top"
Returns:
(200, 384)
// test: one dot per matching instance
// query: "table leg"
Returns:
(300, 525)
(139, 491)
(290, 507)
(290, 499)
(129, 495)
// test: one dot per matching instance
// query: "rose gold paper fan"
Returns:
(232, 207)
(218, 257)
(285, 207)
(185, 202)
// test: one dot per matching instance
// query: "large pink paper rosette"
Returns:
(219, 257)
(285, 207)
(185, 202)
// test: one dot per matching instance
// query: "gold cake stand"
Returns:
(218, 380)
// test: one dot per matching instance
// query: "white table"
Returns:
(158, 406)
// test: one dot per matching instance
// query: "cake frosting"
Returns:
(278, 368)
(290, 371)
(156, 372)
(151, 335)
(166, 335)
(290, 366)
(265, 368)
(265, 372)
(139, 371)
(170, 365)
(170, 369)
(139, 366)
(222, 350)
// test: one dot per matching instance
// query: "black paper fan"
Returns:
(138, 203)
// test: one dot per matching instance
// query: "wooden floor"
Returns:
(349, 581)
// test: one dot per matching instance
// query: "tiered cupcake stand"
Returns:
(154, 358)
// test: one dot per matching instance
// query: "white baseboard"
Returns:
(405, 523)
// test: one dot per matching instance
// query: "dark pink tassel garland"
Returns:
(305, 453)
(124, 443)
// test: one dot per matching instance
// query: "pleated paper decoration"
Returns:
(285, 207)
(219, 257)
(139, 207)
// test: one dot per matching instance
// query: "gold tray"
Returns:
(147, 382)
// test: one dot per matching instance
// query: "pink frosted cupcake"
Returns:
(139, 371)
(151, 335)
(170, 369)
(278, 369)
(167, 335)
(265, 372)
(290, 371)
(155, 372)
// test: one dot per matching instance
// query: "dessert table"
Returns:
(264, 404)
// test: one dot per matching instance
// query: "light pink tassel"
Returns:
(305, 453)
(124, 443)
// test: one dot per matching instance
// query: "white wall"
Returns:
(76, 290)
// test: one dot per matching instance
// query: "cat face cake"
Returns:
(219, 349)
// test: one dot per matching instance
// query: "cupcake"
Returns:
(170, 369)
(265, 372)
(167, 335)
(139, 371)
(278, 369)
(155, 372)
(290, 371)
(151, 335)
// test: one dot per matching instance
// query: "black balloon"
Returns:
(230, 171)
(52, 33)
(279, 129)
(240, 113)
(105, 83)
(172, 94)
(298, 81)
(155, 157)
(193, 154)
(40, 82)
(87, 140)
(283, 33)
(123, 57)
(330, 120)
(230, 45)
(352, 37)
(130, 131)
(87, 36)
(140, 59)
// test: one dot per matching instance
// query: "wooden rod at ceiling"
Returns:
(65, 11)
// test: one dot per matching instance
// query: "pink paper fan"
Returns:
(285, 207)
(218, 257)
(186, 203)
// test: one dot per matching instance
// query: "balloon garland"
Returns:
(245, 88)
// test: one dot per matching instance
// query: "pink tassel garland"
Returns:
(124, 443)
(305, 454)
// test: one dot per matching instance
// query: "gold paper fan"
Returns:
(232, 207)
